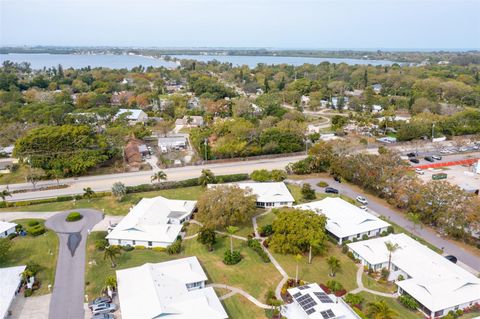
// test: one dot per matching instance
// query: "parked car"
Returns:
(362, 200)
(103, 299)
(411, 154)
(419, 171)
(103, 308)
(363, 207)
(437, 157)
(452, 258)
(429, 158)
(414, 160)
(331, 190)
(103, 316)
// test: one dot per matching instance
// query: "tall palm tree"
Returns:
(380, 310)
(159, 176)
(111, 252)
(231, 230)
(391, 249)
(88, 193)
(298, 257)
(4, 194)
(334, 265)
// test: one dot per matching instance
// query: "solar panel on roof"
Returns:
(306, 302)
(323, 297)
(310, 311)
(303, 287)
(327, 314)
(298, 294)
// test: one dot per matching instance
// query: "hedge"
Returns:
(36, 230)
(256, 246)
(74, 216)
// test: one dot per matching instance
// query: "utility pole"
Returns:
(206, 142)
(433, 131)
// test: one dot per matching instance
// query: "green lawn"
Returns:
(42, 250)
(238, 307)
(373, 284)
(251, 274)
(402, 312)
(16, 177)
(318, 271)
(110, 205)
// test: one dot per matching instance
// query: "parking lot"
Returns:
(462, 176)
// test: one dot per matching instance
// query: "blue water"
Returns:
(252, 61)
(38, 61)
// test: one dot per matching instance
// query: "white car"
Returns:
(363, 207)
(419, 171)
(362, 200)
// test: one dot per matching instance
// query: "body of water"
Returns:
(252, 61)
(38, 61)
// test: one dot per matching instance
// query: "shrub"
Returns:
(385, 273)
(266, 230)
(36, 230)
(344, 249)
(383, 234)
(28, 292)
(354, 300)
(32, 223)
(322, 184)
(400, 278)
(74, 216)
(334, 286)
(390, 229)
(12, 236)
(307, 192)
(232, 258)
(32, 267)
(257, 247)
(128, 248)
(175, 247)
(140, 247)
(408, 302)
(207, 237)
(364, 237)
(159, 249)
(101, 244)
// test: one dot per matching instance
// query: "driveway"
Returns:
(68, 290)
(449, 247)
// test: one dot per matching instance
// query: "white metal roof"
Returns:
(159, 290)
(343, 218)
(435, 282)
(271, 192)
(4, 226)
(149, 220)
(135, 113)
(310, 301)
(9, 281)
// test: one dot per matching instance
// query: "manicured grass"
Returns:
(42, 250)
(238, 307)
(265, 219)
(394, 304)
(251, 274)
(318, 271)
(109, 204)
(373, 284)
(16, 177)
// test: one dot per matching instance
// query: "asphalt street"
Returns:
(68, 291)
(450, 247)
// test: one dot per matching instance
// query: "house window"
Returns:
(395, 268)
(119, 242)
(369, 233)
(438, 313)
(133, 242)
(149, 244)
(358, 235)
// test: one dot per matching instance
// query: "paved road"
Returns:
(105, 182)
(450, 247)
(68, 290)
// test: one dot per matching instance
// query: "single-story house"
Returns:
(133, 116)
(10, 281)
(377, 108)
(153, 222)
(377, 88)
(6, 229)
(178, 141)
(437, 284)
(387, 139)
(312, 302)
(190, 121)
(175, 288)
(346, 221)
(134, 152)
(5, 166)
(7, 150)
(269, 195)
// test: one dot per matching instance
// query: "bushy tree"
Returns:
(207, 237)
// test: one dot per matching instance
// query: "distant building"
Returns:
(190, 121)
(437, 284)
(176, 142)
(133, 116)
(377, 108)
(377, 88)
(346, 221)
(153, 222)
(10, 282)
(271, 194)
(175, 288)
(305, 100)
(387, 139)
(134, 152)
(193, 103)
(7, 150)
(312, 302)
(121, 98)
(6, 229)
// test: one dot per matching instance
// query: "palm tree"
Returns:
(231, 230)
(88, 193)
(334, 265)
(4, 194)
(391, 249)
(159, 176)
(298, 257)
(111, 281)
(415, 219)
(380, 310)
(207, 177)
(111, 252)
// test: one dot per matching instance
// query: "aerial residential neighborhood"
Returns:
(239, 159)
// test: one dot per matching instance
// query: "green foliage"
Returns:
(294, 231)
(175, 248)
(206, 177)
(354, 299)
(206, 86)
(208, 237)
(32, 223)
(264, 175)
(257, 247)
(408, 302)
(36, 230)
(381, 310)
(307, 192)
(232, 257)
(74, 216)
(119, 190)
(322, 184)
(5, 246)
(266, 230)
(101, 244)
(334, 285)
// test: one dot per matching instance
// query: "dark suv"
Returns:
(331, 190)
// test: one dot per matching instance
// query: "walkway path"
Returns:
(361, 287)
(68, 290)
(235, 290)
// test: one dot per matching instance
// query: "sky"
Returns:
(308, 24)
